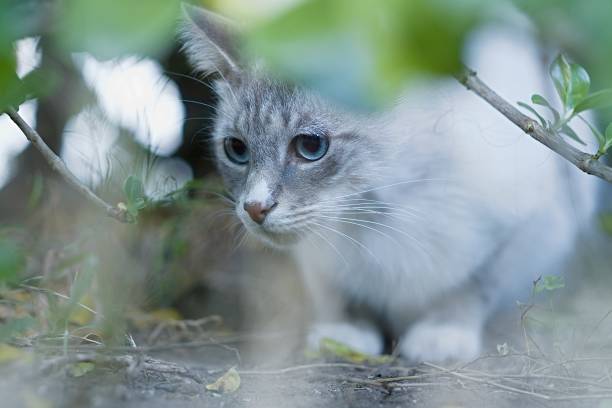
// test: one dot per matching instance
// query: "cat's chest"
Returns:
(394, 270)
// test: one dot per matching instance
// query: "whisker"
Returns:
(386, 186)
(381, 209)
(353, 240)
(242, 240)
(320, 235)
(365, 201)
(346, 221)
(416, 241)
(188, 77)
(358, 212)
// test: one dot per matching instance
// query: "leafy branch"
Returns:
(573, 88)
(118, 213)
(573, 83)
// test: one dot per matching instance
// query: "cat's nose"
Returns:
(258, 210)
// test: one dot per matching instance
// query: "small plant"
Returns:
(548, 283)
(136, 199)
(573, 84)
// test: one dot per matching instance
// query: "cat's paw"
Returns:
(362, 338)
(441, 341)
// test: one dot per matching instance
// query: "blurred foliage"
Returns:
(12, 260)
(581, 28)
(112, 28)
(106, 29)
(361, 52)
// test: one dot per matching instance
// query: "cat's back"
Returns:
(458, 137)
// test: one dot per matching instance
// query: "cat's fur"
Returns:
(429, 215)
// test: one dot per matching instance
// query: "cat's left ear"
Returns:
(209, 42)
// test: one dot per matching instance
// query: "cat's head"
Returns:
(286, 155)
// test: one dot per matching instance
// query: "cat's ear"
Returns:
(209, 41)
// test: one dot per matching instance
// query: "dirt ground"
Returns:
(551, 352)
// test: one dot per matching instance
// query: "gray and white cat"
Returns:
(429, 216)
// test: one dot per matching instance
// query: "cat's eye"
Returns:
(236, 150)
(311, 147)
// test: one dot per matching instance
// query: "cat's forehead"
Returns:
(262, 108)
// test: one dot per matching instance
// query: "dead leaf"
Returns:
(340, 350)
(146, 320)
(227, 383)
(9, 354)
(80, 315)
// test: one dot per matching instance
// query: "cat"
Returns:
(429, 215)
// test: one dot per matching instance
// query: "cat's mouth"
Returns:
(273, 235)
(275, 238)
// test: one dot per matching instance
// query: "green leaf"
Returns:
(135, 195)
(533, 111)
(81, 368)
(549, 283)
(606, 223)
(561, 74)
(540, 100)
(597, 100)
(607, 143)
(568, 131)
(16, 91)
(133, 189)
(572, 82)
(12, 261)
(579, 85)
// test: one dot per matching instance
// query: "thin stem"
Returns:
(60, 167)
(585, 162)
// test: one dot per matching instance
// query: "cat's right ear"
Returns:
(209, 41)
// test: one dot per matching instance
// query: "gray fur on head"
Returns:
(267, 115)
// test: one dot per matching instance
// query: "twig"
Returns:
(305, 367)
(60, 167)
(583, 161)
(518, 390)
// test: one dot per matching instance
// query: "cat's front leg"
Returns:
(450, 330)
(438, 341)
(330, 315)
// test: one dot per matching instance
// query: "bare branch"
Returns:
(60, 167)
(583, 161)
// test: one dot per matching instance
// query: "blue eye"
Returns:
(236, 150)
(311, 147)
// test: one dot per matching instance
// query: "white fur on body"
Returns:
(489, 211)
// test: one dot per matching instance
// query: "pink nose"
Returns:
(257, 210)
